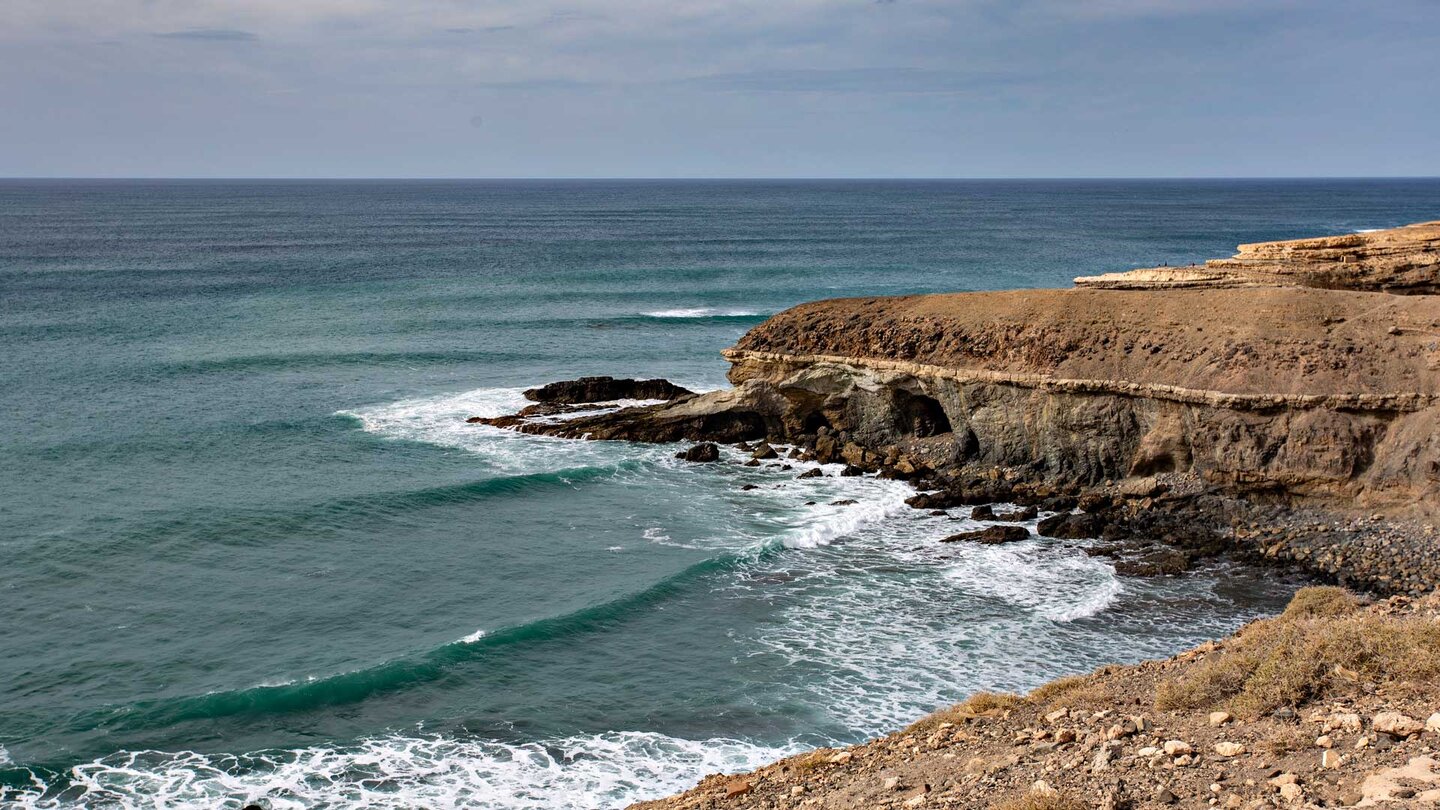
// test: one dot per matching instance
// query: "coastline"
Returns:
(1298, 432)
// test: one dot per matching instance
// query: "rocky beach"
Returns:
(1281, 406)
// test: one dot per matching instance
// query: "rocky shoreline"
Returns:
(1281, 407)
(1332, 704)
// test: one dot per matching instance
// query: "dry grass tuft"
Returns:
(810, 760)
(1052, 691)
(980, 704)
(1042, 801)
(1322, 645)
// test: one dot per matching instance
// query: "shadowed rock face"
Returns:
(1400, 260)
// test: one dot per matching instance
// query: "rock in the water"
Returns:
(1166, 562)
(991, 536)
(815, 473)
(701, 453)
(985, 512)
(764, 451)
(1071, 527)
(605, 389)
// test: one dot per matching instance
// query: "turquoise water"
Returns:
(251, 551)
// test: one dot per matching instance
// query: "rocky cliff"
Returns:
(1294, 385)
(1313, 393)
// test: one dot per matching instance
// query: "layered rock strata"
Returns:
(1403, 260)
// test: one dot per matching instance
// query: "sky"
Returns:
(704, 88)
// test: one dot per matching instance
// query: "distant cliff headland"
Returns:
(1282, 405)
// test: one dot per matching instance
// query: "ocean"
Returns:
(251, 552)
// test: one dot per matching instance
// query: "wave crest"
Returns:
(611, 769)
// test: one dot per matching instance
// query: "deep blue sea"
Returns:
(251, 552)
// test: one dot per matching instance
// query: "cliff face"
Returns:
(1311, 393)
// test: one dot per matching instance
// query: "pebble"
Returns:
(1219, 718)
(1433, 724)
(1229, 749)
(1176, 747)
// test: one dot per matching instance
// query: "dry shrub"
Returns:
(1321, 601)
(1036, 800)
(1286, 741)
(978, 704)
(1052, 691)
(1320, 646)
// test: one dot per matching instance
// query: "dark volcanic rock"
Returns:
(1072, 527)
(1159, 563)
(701, 453)
(605, 389)
(815, 473)
(991, 536)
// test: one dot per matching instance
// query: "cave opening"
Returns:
(814, 421)
(922, 416)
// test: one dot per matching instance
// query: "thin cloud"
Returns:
(863, 80)
(210, 35)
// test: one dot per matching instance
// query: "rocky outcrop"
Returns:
(605, 389)
(1400, 260)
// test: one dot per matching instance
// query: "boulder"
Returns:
(704, 452)
(1071, 526)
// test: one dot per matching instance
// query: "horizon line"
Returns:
(653, 179)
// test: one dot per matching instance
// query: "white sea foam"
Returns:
(875, 500)
(474, 637)
(700, 312)
(1061, 587)
(604, 770)
(440, 420)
